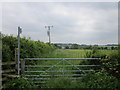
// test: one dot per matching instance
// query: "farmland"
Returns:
(107, 76)
(75, 53)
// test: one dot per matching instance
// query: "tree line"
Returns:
(77, 46)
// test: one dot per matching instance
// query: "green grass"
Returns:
(108, 52)
(66, 53)
(74, 53)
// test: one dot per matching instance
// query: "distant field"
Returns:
(68, 53)
(71, 53)
(108, 52)
(74, 53)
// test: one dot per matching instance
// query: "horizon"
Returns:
(60, 42)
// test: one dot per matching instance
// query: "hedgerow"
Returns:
(28, 48)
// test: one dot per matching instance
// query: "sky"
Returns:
(73, 22)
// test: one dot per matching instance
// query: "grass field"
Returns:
(70, 53)
(75, 53)
(66, 53)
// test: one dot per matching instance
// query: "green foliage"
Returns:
(112, 64)
(20, 83)
(90, 80)
(9, 44)
(29, 48)
(98, 80)
(94, 53)
(101, 79)
(66, 47)
(6, 53)
(109, 62)
(74, 46)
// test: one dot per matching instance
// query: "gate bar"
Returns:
(59, 71)
(62, 58)
(66, 66)
(50, 75)
(51, 78)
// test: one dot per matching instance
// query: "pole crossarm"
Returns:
(48, 32)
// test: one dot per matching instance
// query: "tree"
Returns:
(75, 46)
(66, 47)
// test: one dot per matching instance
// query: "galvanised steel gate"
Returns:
(40, 70)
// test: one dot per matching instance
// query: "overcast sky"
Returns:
(73, 22)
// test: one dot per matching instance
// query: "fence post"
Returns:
(22, 67)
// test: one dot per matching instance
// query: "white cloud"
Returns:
(73, 22)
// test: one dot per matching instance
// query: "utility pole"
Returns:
(18, 66)
(48, 32)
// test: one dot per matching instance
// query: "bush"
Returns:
(112, 65)
(98, 80)
(29, 48)
(90, 80)
(20, 83)
(6, 53)
(94, 53)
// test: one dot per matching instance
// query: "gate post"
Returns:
(19, 32)
(22, 67)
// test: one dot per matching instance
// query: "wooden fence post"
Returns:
(22, 67)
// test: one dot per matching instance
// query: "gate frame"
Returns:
(23, 65)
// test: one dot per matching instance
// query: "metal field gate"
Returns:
(41, 70)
